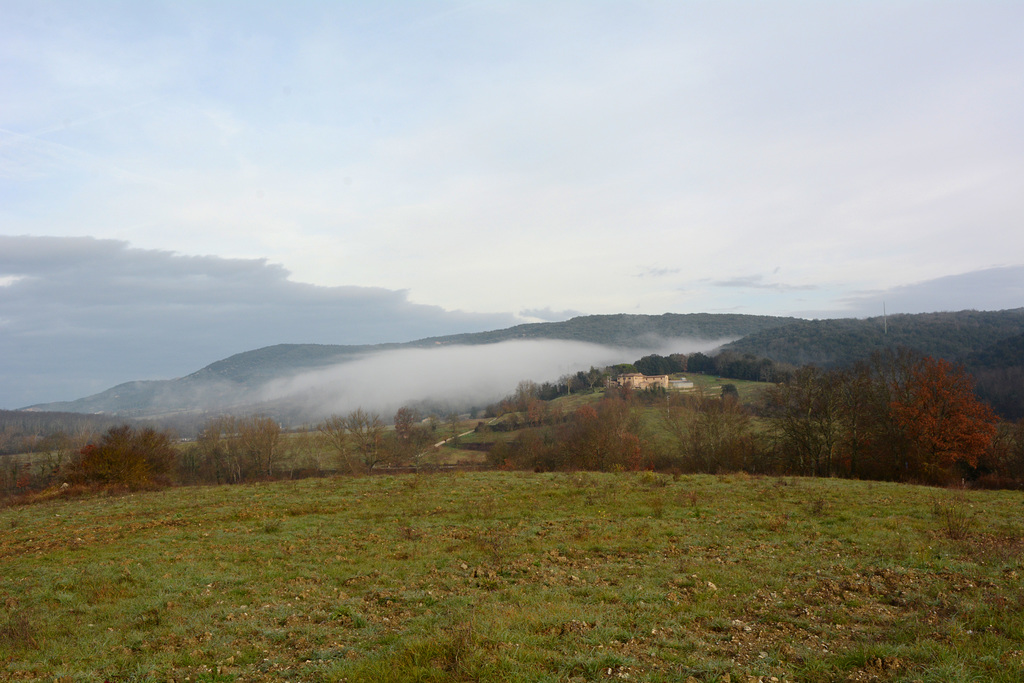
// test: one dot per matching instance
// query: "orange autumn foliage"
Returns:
(938, 412)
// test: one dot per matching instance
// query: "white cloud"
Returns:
(517, 157)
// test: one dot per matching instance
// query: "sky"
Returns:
(181, 181)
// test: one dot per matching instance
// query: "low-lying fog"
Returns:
(458, 376)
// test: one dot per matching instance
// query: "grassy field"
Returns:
(517, 577)
(712, 386)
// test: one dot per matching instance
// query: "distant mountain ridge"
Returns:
(233, 383)
(222, 382)
(610, 330)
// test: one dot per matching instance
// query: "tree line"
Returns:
(900, 416)
(228, 450)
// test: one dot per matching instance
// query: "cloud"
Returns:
(659, 272)
(547, 315)
(758, 282)
(78, 315)
(989, 289)
(482, 157)
(673, 140)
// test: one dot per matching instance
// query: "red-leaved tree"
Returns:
(944, 423)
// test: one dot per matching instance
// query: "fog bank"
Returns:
(462, 376)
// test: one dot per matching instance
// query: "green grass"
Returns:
(517, 577)
(711, 385)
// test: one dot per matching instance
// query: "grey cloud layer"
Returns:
(78, 315)
(990, 289)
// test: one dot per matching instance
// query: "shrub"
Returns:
(126, 457)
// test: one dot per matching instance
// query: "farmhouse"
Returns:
(636, 380)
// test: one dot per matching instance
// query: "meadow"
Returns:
(513, 576)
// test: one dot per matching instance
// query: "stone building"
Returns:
(636, 380)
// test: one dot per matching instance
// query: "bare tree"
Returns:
(452, 421)
(335, 434)
(261, 438)
(307, 450)
(359, 433)
(709, 434)
(220, 450)
(367, 432)
(405, 420)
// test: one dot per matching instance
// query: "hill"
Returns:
(842, 341)
(626, 330)
(999, 373)
(234, 383)
(517, 577)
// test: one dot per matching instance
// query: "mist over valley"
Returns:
(457, 377)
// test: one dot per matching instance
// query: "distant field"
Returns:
(517, 577)
(712, 386)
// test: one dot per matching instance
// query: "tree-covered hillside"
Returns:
(281, 359)
(626, 330)
(842, 341)
(999, 375)
(233, 384)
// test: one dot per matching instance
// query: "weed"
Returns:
(494, 541)
(954, 516)
(778, 523)
(688, 498)
(149, 619)
(272, 526)
(457, 645)
(819, 506)
(479, 509)
(307, 509)
(652, 479)
(19, 632)
(581, 480)
(657, 503)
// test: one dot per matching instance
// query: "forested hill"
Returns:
(233, 380)
(626, 330)
(999, 375)
(613, 330)
(1006, 352)
(281, 359)
(841, 341)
